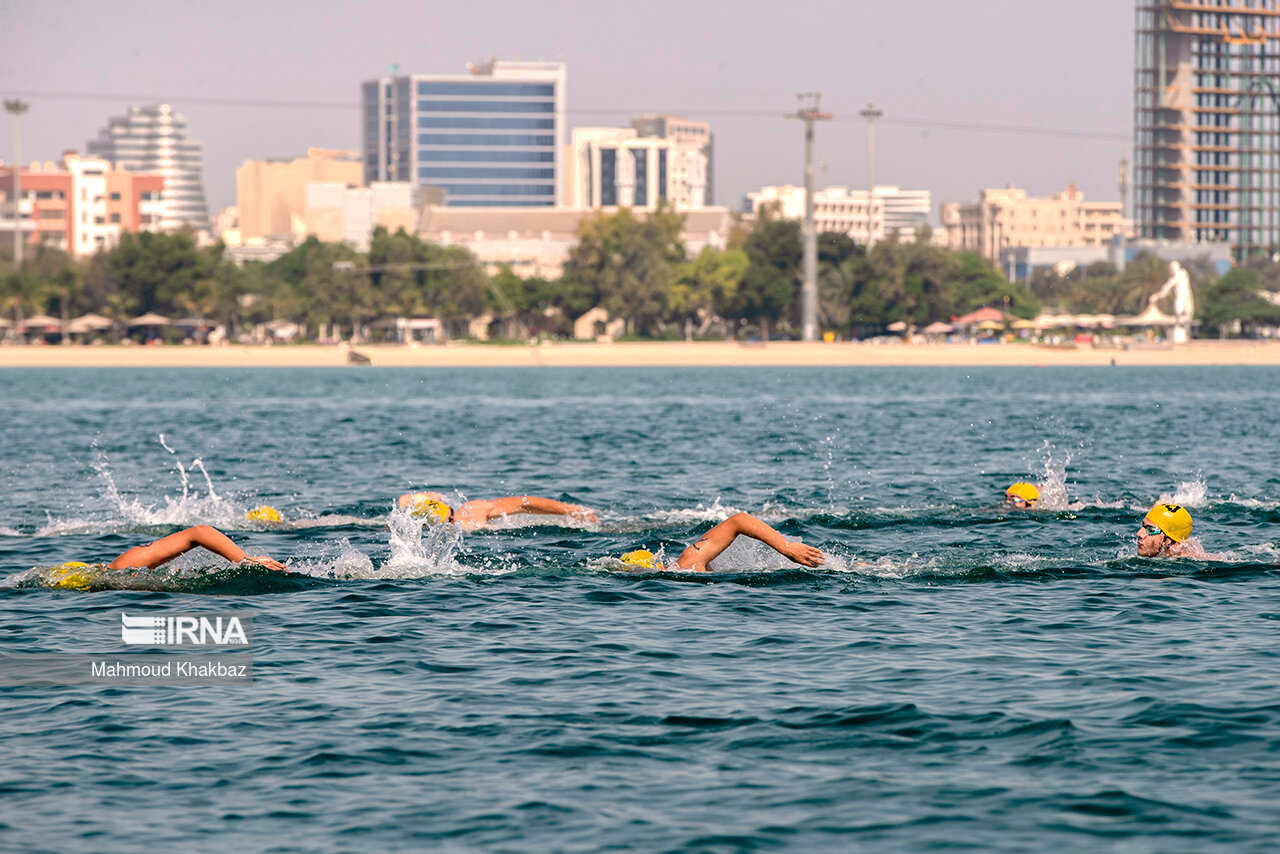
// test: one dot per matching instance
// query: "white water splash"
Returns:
(1053, 480)
(1192, 493)
(191, 506)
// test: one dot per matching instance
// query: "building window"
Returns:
(115, 217)
(52, 213)
(115, 197)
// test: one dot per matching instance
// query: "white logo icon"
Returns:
(182, 631)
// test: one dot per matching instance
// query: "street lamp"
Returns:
(16, 107)
(871, 114)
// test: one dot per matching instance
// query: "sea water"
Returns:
(957, 676)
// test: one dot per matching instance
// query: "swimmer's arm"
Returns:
(711, 544)
(535, 504)
(167, 548)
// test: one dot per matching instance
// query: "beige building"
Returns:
(1007, 218)
(272, 194)
(337, 213)
(537, 241)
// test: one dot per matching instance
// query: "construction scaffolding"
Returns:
(1206, 128)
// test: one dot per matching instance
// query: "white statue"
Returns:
(1184, 306)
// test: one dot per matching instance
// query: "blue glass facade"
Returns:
(485, 139)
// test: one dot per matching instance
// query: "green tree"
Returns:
(1235, 297)
(626, 265)
(706, 287)
(767, 295)
(158, 270)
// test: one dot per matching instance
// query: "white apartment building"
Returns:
(154, 139)
(618, 168)
(834, 209)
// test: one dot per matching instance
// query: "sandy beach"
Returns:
(638, 354)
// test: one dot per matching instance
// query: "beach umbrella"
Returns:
(990, 325)
(1053, 321)
(89, 323)
(151, 319)
(897, 326)
(1024, 324)
(1153, 316)
(982, 314)
(39, 321)
(938, 328)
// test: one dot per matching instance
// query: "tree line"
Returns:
(635, 267)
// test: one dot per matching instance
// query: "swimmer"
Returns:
(1164, 531)
(1022, 495)
(474, 514)
(167, 548)
(711, 544)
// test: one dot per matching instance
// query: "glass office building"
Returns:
(490, 138)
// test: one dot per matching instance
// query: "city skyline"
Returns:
(1036, 95)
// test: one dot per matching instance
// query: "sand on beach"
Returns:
(639, 354)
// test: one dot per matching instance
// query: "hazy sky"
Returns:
(975, 94)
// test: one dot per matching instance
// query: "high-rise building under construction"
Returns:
(1207, 122)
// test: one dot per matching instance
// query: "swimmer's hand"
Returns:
(577, 511)
(263, 560)
(802, 554)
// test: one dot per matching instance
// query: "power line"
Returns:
(714, 112)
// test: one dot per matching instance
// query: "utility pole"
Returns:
(871, 114)
(16, 108)
(809, 113)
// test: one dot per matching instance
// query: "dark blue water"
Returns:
(957, 677)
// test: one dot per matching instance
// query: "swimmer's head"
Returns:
(432, 510)
(1173, 520)
(266, 514)
(1022, 495)
(642, 558)
(71, 575)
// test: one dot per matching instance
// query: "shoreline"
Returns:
(637, 354)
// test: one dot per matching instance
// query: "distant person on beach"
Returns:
(1164, 533)
(711, 544)
(475, 514)
(1022, 495)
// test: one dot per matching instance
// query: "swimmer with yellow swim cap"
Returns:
(265, 514)
(1022, 495)
(432, 507)
(711, 544)
(1164, 532)
(75, 575)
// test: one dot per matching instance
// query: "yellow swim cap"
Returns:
(429, 507)
(265, 513)
(1026, 491)
(1172, 519)
(642, 558)
(70, 575)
